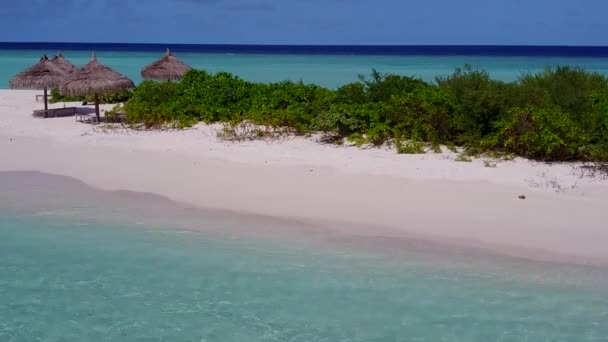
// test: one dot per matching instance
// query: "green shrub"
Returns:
(411, 146)
(426, 113)
(288, 104)
(379, 132)
(559, 114)
(57, 97)
(597, 128)
(118, 97)
(154, 104)
(597, 125)
(568, 88)
(358, 139)
(463, 157)
(211, 98)
(538, 133)
(352, 93)
(344, 120)
(382, 87)
(479, 101)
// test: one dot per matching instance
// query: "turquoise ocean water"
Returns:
(67, 276)
(326, 70)
(92, 269)
(67, 281)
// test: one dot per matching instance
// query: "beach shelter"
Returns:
(167, 68)
(63, 63)
(44, 75)
(94, 79)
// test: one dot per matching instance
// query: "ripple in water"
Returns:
(65, 282)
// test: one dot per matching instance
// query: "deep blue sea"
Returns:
(78, 265)
(329, 66)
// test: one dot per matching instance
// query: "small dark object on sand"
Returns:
(521, 197)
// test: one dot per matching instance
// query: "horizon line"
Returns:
(325, 49)
(308, 45)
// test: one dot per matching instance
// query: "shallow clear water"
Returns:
(73, 280)
(326, 70)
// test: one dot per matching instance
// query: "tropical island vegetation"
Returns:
(560, 114)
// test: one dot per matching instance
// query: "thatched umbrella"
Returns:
(94, 79)
(167, 68)
(63, 63)
(44, 75)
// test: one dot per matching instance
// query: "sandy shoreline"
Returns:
(430, 195)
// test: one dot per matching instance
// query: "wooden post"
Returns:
(97, 108)
(46, 101)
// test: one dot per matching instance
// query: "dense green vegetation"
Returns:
(558, 115)
(111, 98)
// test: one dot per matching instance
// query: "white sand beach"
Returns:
(564, 214)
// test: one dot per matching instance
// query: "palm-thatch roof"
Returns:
(63, 63)
(166, 68)
(94, 79)
(43, 75)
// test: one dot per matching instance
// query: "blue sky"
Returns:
(545, 22)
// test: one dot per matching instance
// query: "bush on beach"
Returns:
(110, 98)
(538, 133)
(560, 114)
